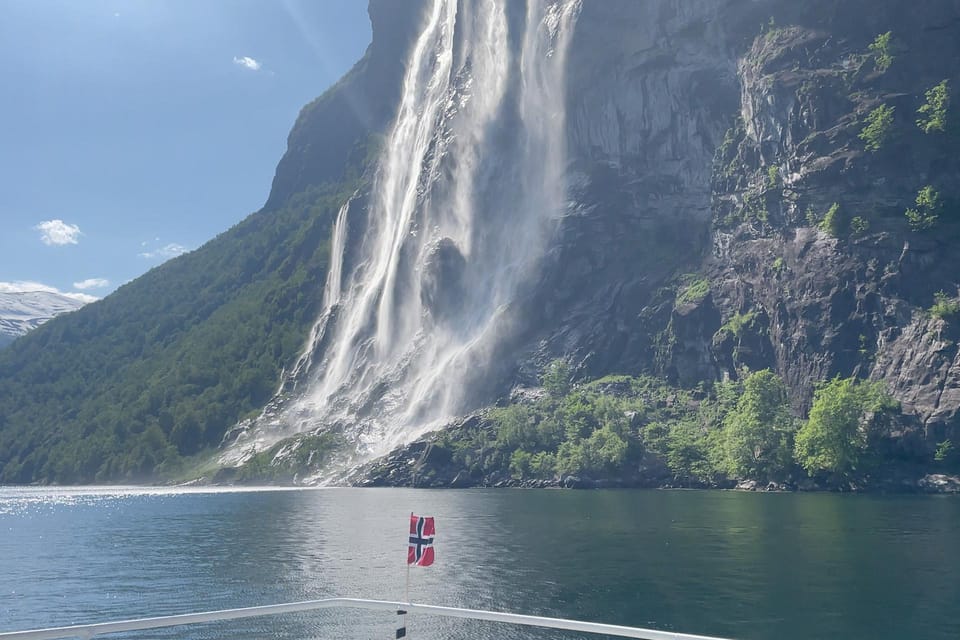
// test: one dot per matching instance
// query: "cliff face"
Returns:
(708, 141)
(849, 297)
(329, 135)
(723, 212)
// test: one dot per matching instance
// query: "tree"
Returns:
(758, 431)
(832, 223)
(927, 211)
(877, 130)
(933, 114)
(604, 450)
(842, 423)
(688, 448)
(882, 50)
(556, 378)
(943, 307)
(515, 427)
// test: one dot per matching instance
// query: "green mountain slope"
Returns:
(128, 387)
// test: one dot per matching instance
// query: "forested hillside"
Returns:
(135, 385)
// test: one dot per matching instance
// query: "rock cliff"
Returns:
(710, 140)
(749, 188)
(728, 213)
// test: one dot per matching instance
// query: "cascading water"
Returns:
(467, 192)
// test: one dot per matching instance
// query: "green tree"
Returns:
(758, 431)
(933, 114)
(842, 424)
(696, 288)
(773, 176)
(943, 307)
(543, 464)
(832, 223)
(927, 211)
(689, 450)
(570, 460)
(520, 464)
(877, 130)
(945, 451)
(516, 428)
(557, 378)
(604, 450)
(882, 50)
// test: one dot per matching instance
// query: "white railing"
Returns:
(91, 630)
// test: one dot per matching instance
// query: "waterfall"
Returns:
(469, 187)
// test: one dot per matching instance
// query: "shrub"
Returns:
(943, 307)
(688, 450)
(773, 176)
(696, 289)
(557, 378)
(832, 223)
(859, 224)
(882, 50)
(520, 463)
(604, 450)
(738, 322)
(877, 130)
(927, 211)
(516, 428)
(933, 114)
(944, 451)
(543, 464)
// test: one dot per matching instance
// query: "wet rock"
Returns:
(441, 285)
(939, 483)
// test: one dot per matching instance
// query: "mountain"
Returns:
(610, 222)
(22, 312)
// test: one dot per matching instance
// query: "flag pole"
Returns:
(402, 630)
(406, 592)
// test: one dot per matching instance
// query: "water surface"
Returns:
(785, 566)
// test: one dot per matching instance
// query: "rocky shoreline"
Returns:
(426, 465)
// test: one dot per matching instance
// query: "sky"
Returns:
(134, 130)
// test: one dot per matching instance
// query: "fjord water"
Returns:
(738, 565)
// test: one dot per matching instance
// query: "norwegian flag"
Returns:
(422, 532)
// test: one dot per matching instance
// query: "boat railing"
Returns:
(98, 629)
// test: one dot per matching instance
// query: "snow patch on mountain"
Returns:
(23, 311)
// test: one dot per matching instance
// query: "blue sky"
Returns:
(133, 130)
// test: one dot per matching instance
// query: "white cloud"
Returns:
(82, 297)
(58, 232)
(247, 62)
(92, 283)
(26, 286)
(171, 250)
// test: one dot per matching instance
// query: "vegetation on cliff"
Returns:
(643, 431)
